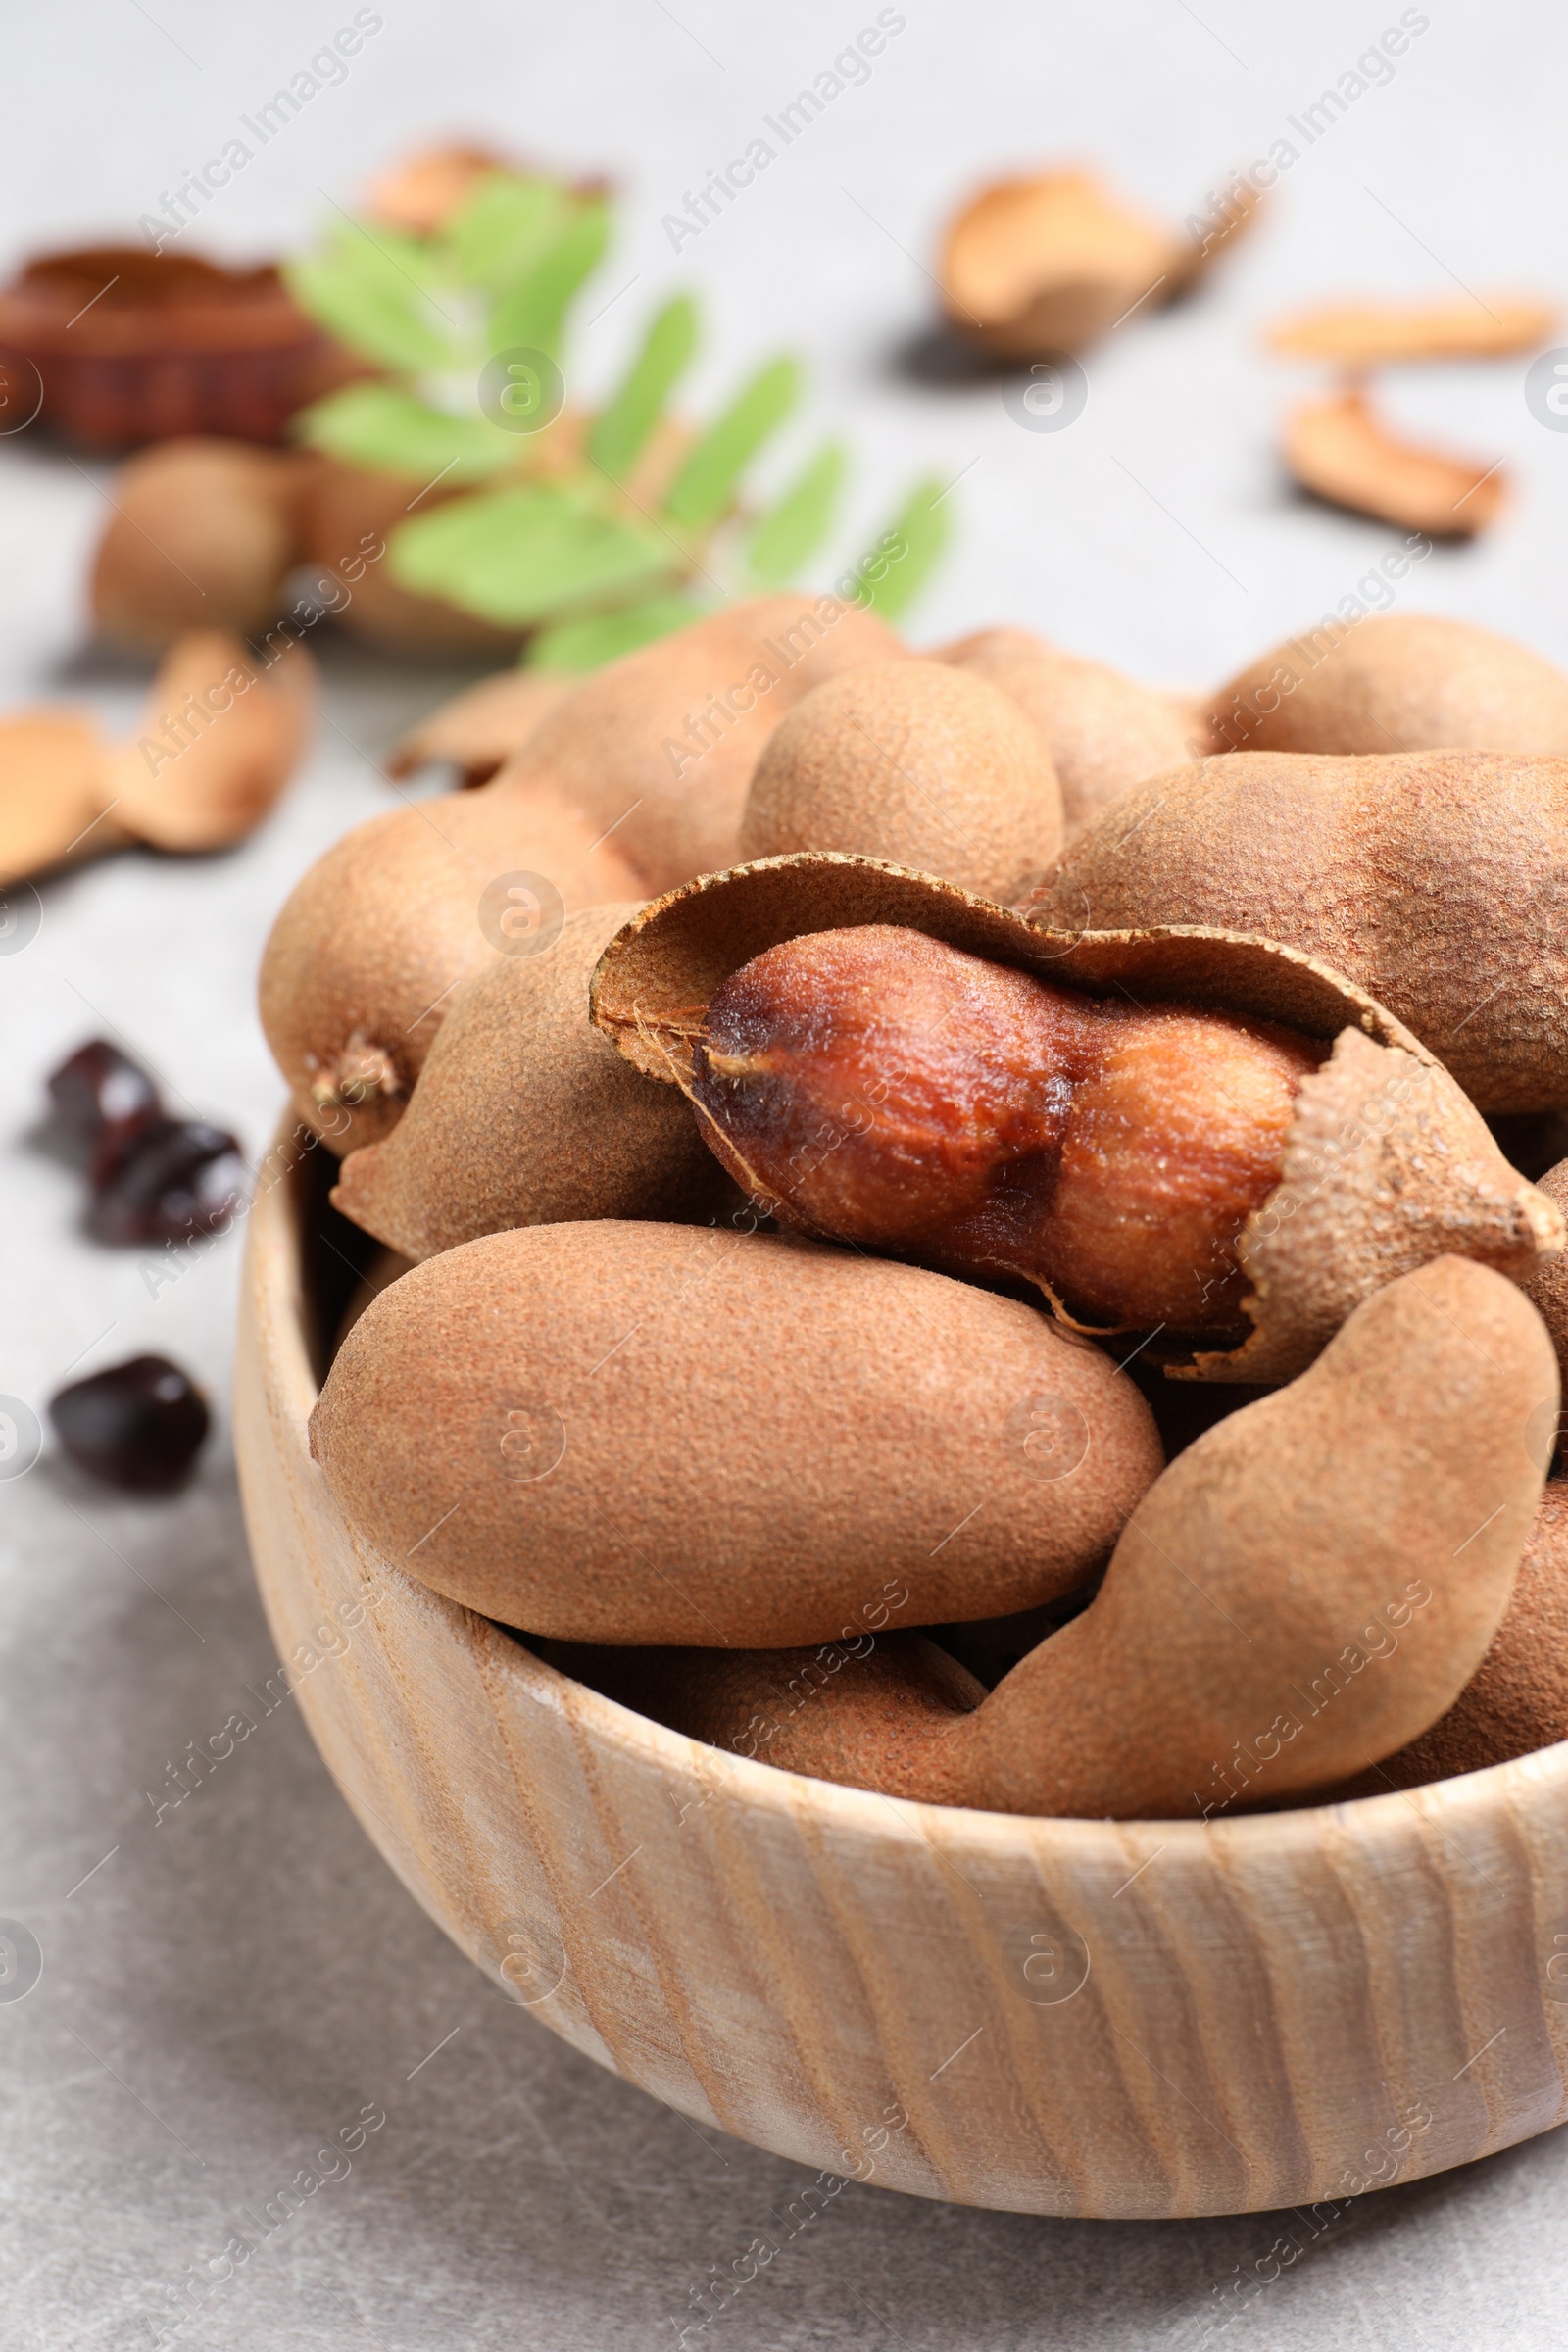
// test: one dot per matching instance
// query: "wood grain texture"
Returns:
(1069, 2017)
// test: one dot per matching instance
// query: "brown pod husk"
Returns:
(1438, 881)
(363, 960)
(220, 735)
(1051, 263)
(54, 791)
(912, 762)
(660, 747)
(1307, 1588)
(1104, 731)
(203, 536)
(1393, 682)
(478, 731)
(1517, 1700)
(1387, 1164)
(1374, 334)
(1339, 450)
(525, 1115)
(634, 1432)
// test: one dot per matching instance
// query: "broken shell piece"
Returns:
(1338, 449)
(480, 729)
(221, 737)
(52, 792)
(1369, 334)
(1048, 264)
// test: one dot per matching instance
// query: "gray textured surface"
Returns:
(234, 1984)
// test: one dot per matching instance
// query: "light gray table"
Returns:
(224, 1987)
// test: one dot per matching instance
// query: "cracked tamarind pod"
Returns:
(1436, 880)
(1198, 1135)
(1303, 1592)
(634, 1432)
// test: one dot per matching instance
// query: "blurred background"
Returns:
(236, 1978)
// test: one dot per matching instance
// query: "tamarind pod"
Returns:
(362, 961)
(1304, 1590)
(910, 761)
(1437, 880)
(523, 1113)
(1393, 682)
(633, 1433)
(1385, 1165)
(1104, 731)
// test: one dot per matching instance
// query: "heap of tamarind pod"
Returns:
(967, 1163)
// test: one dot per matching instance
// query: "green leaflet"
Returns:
(388, 432)
(505, 229)
(603, 637)
(531, 315)
(622, 428)
(921, 529)
(513, 556)
(787, 538)
(706, 482)
(373, 315)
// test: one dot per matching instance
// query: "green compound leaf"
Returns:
(531, 315)
(706, 482)
(622, 428)
(515, 557)
(912, 545)
(374, 312)
(603, 637)
(390, 431)
(786, 539)
(503, 229)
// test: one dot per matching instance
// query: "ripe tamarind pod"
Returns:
(1548, 1286)
(1380, 1162)
(1517, 1698)
(1437, 880)
(525, 1114)
(1393, 682)
(658, 749)
(909, 761)
(362, 961)
(632, 1433)
(203, 535)
(1310, 1587)
(1104, 731)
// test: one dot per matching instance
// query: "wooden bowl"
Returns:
(1062, 2017)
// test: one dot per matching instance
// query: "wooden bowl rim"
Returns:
(1369, 1823)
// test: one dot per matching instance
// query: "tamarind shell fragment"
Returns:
(1387, 1164)
(1438, 881)
(1306, 1590)
(525, 1114)
(641, 1433)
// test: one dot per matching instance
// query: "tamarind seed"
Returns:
(879, 1085)
(138, 1425)
(105, 1102)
